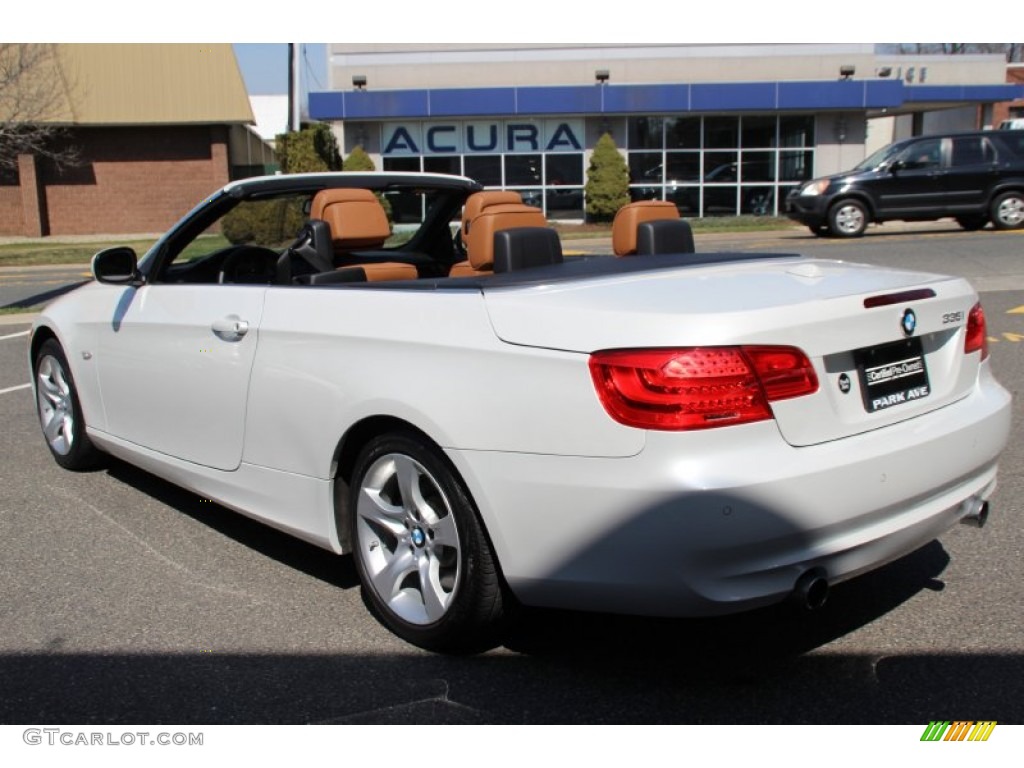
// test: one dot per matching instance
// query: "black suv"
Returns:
(973, 177)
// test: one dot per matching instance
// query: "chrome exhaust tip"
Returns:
(811, 589)
(977, 513)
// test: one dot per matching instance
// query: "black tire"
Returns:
(1007, 211)
(848, 218)
(972, 223)
(59, 411)
(431, 528)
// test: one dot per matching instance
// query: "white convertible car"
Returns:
(481, 422)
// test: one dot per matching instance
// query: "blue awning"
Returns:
(780, 96)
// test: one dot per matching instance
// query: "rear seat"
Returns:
(358, 221)
(481, 231)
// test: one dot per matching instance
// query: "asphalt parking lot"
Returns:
(127, 600)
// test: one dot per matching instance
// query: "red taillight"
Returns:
(977, 334)
(698, 387)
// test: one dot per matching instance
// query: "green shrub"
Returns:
(607, 187)
(271, 223)
(310, 150)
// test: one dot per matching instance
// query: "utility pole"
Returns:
(293, 87)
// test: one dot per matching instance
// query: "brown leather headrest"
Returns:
(630, 216)
(480, 242)
(480, 200)
(356, 218)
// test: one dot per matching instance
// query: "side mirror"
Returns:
(116, 266)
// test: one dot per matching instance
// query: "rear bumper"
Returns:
(728, 519)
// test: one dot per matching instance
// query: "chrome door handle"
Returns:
(230, 328)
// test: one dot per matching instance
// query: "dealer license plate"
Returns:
(892, 374)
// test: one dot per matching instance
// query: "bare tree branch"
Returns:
(33, 103)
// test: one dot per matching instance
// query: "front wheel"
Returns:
(1008, 211)
(848, 218)
(424, 561)
(60, 413)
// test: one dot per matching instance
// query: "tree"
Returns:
(358, 160)
(607, 187)
(34, 94)
(312, 149)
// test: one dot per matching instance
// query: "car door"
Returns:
(174, 367)
(910, 186)
(972, 170)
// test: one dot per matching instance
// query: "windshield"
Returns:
(875, 159)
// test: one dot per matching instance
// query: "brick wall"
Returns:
(129, 180)
(10, 210)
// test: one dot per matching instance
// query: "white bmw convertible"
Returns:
(482, 422)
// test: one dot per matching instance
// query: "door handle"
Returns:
(230, 328)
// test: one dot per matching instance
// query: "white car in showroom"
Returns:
(484, 423)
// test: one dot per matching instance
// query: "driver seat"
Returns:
(356, 220)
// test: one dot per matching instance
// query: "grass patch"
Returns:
(711, 224)
(41, 252)
(19, 310)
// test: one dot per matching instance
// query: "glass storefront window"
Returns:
(721, 132)
(645, 132)
(522, 169)
(720, 167)
(646, 168)
(757, 166)
(644, 193)
(796, 166)
(758, 131)
(758, 201)
(563, 169)
(402, 164)
(484, 168)
(682, 166)
(796, 131)
(534, 197)
(682, 132)
(687, 200)
(443, 164)
(564, 203)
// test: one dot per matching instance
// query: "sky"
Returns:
(265, 67)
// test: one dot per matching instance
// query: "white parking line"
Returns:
(14, 389)
(15, 335)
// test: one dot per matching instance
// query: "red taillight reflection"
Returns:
(698, 387)
(976, 337)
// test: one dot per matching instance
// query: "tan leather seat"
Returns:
(480, 238)
(476, 202)
(631, 216)
(357, 221)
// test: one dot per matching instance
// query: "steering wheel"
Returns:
(248, 265)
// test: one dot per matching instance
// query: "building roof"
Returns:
(147, 84)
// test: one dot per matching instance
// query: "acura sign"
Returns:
(469, 137)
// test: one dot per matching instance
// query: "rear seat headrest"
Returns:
(356, 217)
(526, 247)
(494, 218)
(631, 216)
(665, 236)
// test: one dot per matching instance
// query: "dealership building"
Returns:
(718, 129)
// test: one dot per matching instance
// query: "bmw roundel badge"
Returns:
(909, 322)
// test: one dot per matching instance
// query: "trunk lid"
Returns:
(860, 354)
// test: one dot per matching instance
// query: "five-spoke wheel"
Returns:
(60, 414)
(424, 561)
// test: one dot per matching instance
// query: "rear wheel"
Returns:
(60, 413)
(848, 218)
(426, 566)
(1008, 211)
